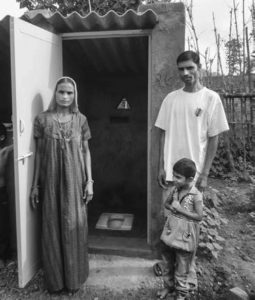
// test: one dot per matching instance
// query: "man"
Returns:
(190, 121)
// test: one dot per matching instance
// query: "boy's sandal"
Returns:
(192, 287)
(157, 269)
(163, 295)
(181, 296)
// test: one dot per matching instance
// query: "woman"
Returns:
(63, 182)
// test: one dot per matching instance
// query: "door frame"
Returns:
(130, 33)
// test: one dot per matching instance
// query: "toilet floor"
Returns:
(139, 228)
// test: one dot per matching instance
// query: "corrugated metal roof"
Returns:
(109, 56)
(74, 22)
(101, 56)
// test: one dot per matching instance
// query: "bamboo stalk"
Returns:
(229, 39)
(243, 77)
(217, 39)
(189, 9)
(237, 36)
(248, 60)
(90, 8)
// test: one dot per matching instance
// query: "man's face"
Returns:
(189, 72)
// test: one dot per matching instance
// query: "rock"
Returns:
(237, 294)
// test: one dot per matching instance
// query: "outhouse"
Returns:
(124, 65)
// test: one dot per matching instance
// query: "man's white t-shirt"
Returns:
(188, 120)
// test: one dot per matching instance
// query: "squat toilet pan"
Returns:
(115, 221)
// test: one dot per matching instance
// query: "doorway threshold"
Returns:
(130, 247)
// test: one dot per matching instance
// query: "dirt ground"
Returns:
(116, 278)
(235, 265)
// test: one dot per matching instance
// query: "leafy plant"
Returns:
(220, 167)
(233, 50)
(210, 241)
(242, 151)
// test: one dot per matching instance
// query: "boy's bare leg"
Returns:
(168, 256)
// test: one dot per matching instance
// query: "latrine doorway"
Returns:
(112, 77)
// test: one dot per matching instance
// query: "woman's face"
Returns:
(65, 94)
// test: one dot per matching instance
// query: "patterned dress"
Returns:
(64, 215)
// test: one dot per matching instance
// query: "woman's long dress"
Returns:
(64, 215)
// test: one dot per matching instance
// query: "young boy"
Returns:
(184, 203)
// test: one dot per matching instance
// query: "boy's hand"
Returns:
(176, 205)
(167, 205)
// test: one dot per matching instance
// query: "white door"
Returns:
(36, 64)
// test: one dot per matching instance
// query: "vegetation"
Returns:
(210, 242)
(81, 6)
(233, 48)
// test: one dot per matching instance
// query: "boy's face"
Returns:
(189, 72)
(180, 181)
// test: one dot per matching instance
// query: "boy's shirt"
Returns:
(187, 201)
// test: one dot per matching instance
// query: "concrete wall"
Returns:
(167, 43)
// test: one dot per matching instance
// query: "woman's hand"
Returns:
(34, 197)
(88, 192)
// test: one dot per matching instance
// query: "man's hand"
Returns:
(201, 183)
(162, 179)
